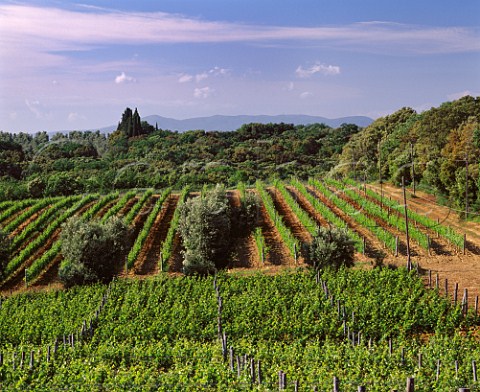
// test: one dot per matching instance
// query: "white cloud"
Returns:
(462, 94)
(201, 76)
(185, 78)
(203, 92)
(124, 78)
(74, 117)
(306, 95)
(217, 71)
(34, 107)
(290, 86)
(317, 68)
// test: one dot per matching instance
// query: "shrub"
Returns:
(91, 250)
(205, 226)
(329, 248)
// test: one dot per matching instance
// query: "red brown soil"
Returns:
(7, 221)
(374, 249)
(278, 254)
(175, 263)
(127, 207)
(415, 249)
(289, 217)
(49, 277)
(26, 222)
(438, 245)
(148, 259)
(457, 268)
(105, 208)
(244, 254)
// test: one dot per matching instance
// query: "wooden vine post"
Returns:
(409, 261)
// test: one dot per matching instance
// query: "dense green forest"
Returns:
(140, 155)
(439, 142)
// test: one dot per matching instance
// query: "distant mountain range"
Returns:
(232, 123)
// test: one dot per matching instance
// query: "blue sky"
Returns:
(77, 65)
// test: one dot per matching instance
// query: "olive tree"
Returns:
(91, 250)
(329, 248)
(205, 228)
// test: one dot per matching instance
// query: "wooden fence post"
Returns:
(455, 294)
(474, 370)
(259, 372)
(410, 384)
(335, 384)
(31, 359)
(465, 302)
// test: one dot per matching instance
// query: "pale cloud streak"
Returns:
(215, 72)
(46, 30)
(185, 78)
(317, 68)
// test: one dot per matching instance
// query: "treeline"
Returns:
(442, 143)
(139, 155)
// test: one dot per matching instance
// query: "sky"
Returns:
(68, 65)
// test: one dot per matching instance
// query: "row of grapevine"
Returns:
(446, 232)
(167, 246)
(42, 220)
(119, 205)
(142, 236)
(288, 238)
(14, 208)
(261, 244)
(19, 219)
(95, 209)
(329, 215)
(17, 262)
(40, 264)
(49, 256)
(130, 216)
(301, 214)
(6, 204)
(258, 236)
(373, 209)
(383, 235)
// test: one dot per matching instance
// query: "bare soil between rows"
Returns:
(460, 268)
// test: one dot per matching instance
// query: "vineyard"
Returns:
(287, 328)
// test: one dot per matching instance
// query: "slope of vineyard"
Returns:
(288, 215)
(363, 328)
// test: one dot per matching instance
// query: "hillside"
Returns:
(441, 140)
